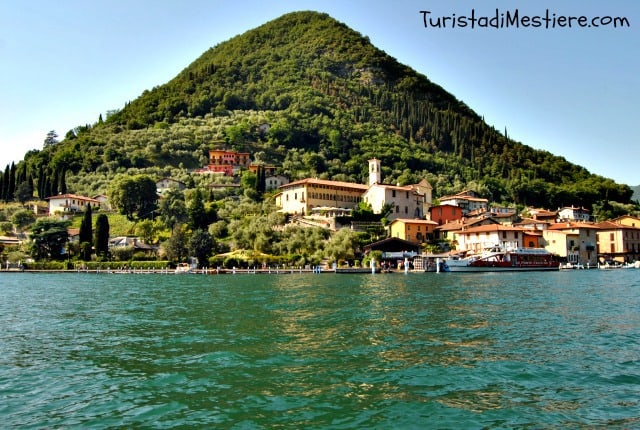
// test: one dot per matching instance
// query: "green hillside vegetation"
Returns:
(305, 93)
(332, 100)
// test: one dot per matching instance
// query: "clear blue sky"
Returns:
(572, 91)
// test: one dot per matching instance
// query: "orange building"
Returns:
(412, 230)
(225, 162)
(443, 214)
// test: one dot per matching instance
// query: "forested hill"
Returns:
(307, 93)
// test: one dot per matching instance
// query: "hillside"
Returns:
(330, 100)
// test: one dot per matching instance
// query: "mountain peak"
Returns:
(332, 101)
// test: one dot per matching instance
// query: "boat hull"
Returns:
(498, 260)
(500, 269)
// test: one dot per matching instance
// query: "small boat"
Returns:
(182, 268)
(499, 259)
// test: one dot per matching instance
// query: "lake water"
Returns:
(523, 350)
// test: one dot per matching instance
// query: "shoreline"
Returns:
(204, 271)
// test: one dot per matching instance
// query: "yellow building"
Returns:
(618, 241)
(575, 241)
(300, 197)
(412, 230)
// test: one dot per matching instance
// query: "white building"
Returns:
(300, 197)
(410, 201)
(67, 204)
(165, 184)
(570, 213)
(404, 201)
(468, 201)
(273, 182)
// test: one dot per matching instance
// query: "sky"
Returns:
(573, 91)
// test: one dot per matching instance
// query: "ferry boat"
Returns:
(499, 259)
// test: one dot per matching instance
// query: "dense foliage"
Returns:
(308, 94)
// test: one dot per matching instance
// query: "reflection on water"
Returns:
(318, 351)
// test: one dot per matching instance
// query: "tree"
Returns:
(23, 192)
(23, 218)
(51, 139)
(102, 235)
(173, 209)
(11, 189)
(86, 234)
(145, 230)
(48, 239)
(176, 246)
(134, 196)
(342, 245)
(201, 246)
(198, 218)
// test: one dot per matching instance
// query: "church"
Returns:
(311, 195)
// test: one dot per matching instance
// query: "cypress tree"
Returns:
(3, 184)
(102, 235)
(86, 234)
(63, 181)
(12, 183)
(41, 183)
(53, 184)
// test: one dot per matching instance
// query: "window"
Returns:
(393, 193)
(406, 209)
(397, 209)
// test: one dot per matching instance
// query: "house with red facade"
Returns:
(226, 162)
(443, 214)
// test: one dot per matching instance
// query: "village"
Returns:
(417, 227)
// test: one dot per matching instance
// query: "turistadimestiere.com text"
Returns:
(515, 19)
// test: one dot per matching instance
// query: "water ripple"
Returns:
(550, 350)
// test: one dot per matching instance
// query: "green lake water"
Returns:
(508, 350)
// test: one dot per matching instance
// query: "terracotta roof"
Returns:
(72, 196)
(572, 225)
(574, 209)
(415, 221)
(527, 221)
(394, 187)
(469, 198)
(313, 181)
(610, 225)
(492, 228)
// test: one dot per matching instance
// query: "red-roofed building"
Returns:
(226, 162)
(575, 241)
(618, 241)
(299, 197)
(68, 204)
(467, 200)
(443, 214)
(475, 239)
(412, 230)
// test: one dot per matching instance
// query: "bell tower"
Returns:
(375, 176)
